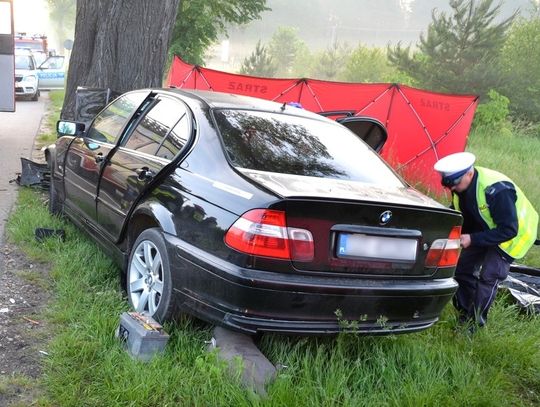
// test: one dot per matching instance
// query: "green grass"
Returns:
(7, 382)
(498, 366)
(21, 390)
(48, 134)
(34, 277)
(88, 367)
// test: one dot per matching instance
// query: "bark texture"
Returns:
(120, 45)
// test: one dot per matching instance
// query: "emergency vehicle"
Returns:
(37, 43)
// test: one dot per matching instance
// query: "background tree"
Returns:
(521, 66)
(62, 14)
(119, 44)
(330, 63)
(259, 63)
(460, 53)
(285, 46)
(492, 115)
(303, 64)
(368, 65)
(199, 23)
(123, 45)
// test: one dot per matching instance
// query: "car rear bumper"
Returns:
(254, 301)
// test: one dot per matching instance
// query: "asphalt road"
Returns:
(17, 133)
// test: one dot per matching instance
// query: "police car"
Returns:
(26, 76)
(52, 73)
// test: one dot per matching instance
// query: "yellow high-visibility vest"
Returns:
(518, 246)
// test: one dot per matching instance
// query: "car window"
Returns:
(55, 62)
(289, 144)
(24, 62)
(39, 56)
(109, 122)
(177, 137)
(150, 134)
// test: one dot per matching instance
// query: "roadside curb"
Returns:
(257, 370)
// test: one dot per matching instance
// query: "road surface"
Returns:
(17, 133)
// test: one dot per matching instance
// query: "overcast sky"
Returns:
(372, 22)
(31, 16)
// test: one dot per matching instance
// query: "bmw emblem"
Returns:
(385, 217)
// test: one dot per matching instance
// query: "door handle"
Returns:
(144, 174)
(99, 158)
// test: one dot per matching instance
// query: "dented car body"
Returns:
(254, 215)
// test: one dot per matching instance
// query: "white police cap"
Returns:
(455, 165)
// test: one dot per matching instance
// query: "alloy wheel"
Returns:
(145, 282)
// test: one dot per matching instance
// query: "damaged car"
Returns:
(254, 215)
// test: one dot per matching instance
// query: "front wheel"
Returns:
(148, 282)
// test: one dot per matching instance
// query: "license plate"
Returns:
(376, 247)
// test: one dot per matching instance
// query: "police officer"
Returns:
(499, 225)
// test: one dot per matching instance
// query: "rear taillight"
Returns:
(264, 232)
(445, 252)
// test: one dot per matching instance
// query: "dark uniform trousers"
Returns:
(478, 273)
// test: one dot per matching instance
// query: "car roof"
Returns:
(219, 100)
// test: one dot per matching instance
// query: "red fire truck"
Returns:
(37, 43)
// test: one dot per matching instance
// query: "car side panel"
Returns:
(81, 175)
(194, 216)
(120, 186)
(51, 73)
(51, 78)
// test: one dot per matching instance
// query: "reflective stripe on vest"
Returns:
(527, 216)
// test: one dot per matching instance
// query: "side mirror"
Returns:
(68, 128)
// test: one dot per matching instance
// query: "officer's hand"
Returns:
(465, 241)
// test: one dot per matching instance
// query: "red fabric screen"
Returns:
(422, 126)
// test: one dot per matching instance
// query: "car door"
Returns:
(368, 129)
(153, 142)
(86, 155)
(51, 73)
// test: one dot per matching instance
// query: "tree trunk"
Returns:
(120, 45)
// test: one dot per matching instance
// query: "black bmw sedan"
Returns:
(254, 215)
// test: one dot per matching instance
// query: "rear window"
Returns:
(271, 142)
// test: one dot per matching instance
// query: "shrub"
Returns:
(521, 58)
(493, 114)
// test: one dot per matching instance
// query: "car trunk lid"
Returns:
(288, 185)
(360, 228)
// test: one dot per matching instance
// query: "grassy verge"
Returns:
(87, 366)
(12, 386)
(48, 128)
(499, 366)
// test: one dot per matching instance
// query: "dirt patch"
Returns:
(24, 293)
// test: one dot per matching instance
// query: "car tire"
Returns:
(148, 277)
(35, 96)
(55, 206)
